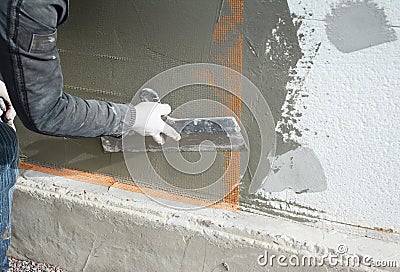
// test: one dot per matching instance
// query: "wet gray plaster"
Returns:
(270, 75)
(301, 165)
(356, 25)
(271, 51)
(179, 29)
(108, 51)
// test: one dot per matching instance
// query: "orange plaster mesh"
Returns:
(231, 57)
(111, 182)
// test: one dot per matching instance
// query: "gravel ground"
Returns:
(29, 266)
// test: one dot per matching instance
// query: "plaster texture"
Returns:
(345, 108)
(335, 104)
(85, 227)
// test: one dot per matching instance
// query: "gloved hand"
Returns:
(8, 113)
(149, 123)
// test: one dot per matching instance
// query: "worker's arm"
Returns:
(30, 65)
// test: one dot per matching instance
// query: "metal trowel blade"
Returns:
(198, 134)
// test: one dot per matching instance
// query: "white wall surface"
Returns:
(351, 120)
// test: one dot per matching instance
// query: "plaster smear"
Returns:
(300, 165)
(274, 48)
(298, 169)
(357, 25)
(295, 88)
(270, 49)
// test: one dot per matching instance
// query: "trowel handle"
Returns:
(3, 106)
(149, 95)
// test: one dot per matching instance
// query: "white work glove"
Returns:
(149, 123)
(8, 113)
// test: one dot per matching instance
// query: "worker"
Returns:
(30, 67)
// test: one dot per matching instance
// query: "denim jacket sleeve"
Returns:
(30, 66)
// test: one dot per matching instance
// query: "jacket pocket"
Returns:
(42, 43)
(36, 38)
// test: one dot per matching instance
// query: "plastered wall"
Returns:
(328, 70)
(341, 112)
(109, 51)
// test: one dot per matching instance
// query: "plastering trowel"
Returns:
(198, 134)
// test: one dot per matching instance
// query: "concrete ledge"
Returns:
(85, 227)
